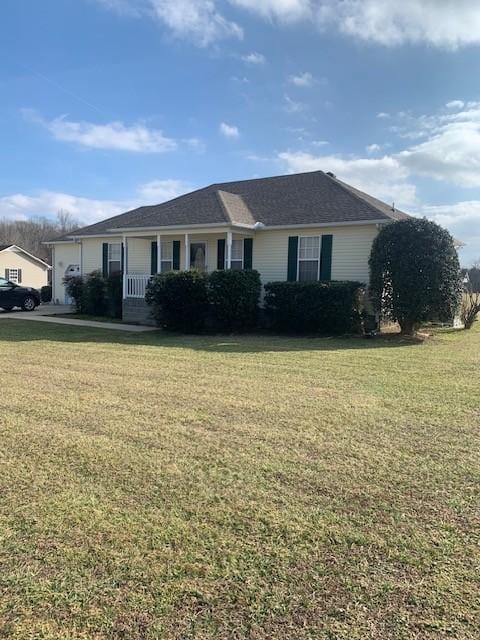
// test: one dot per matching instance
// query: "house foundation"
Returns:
(136, 310)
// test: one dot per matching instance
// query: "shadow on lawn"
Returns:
(17, 331)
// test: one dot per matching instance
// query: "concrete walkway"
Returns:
(44, 314)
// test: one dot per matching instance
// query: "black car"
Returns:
(13, 295)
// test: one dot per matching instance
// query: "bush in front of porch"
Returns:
(95, 295)
(233, 296)
(179, 300)
(192, 302)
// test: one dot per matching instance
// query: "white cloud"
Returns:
(123, 7)
(382, 114)
(383, 177)
(462, 219)
(113, 135)
(196, 144)
(447, 24)
(373, 148)
(450, 150)
(195, 20)
(229, 130)
(443, 23)
(455, 104)
(254, 58)
(444, 146)
(282, 10)
(157, 191)
(46, 203)
(303, 80)
(293, 106)
(198, 21)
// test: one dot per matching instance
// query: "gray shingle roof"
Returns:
(303, 198)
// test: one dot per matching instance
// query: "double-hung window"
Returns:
(166, 249)
(14, 275)
(114, 258)
(309, 258)
(236, 261)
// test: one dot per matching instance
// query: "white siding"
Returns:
(350, 251)
(92, 256)
(34, 274)
(63, 256)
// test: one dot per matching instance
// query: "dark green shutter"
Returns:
(153, 258)
(105, 259)
(122, 265)
(7, 274)
(292, 258)
(247, 253)
(176, 255)
(19, 276)
(326, 258)
(220, 254)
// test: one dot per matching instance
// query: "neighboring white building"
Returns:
(308, 226)
(21, 267)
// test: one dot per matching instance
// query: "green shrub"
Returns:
(233, 296)
(95, 295)
(314, 307)
(46, 293)
(75, 289)
(415, 273)
(179, 300)
(114, 291)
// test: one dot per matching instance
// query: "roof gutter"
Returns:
(182, 226)
(47, 243)
(310, 225)
(239, 225)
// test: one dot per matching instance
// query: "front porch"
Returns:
(146, 255)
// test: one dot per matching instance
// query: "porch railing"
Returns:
(136, 285)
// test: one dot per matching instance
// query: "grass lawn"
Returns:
(257, 487)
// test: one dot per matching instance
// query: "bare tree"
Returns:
(471, 297)
(474, 275)
(65, 222)
(30, 234)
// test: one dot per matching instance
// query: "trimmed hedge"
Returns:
(179, 300)
(114, 289)
(314, 307)
(74, 287)
(233, 296)
(191, 302)
(96, 295)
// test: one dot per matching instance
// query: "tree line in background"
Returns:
(30, 234)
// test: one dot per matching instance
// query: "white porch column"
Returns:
(187, 252)
(159, 253)
(125, 265)
(229, 250)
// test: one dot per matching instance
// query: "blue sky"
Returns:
(108, 104)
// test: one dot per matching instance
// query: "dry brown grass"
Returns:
(256, 487)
